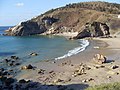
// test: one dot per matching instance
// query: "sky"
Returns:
(14, 11)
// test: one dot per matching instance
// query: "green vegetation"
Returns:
(112, 8)
(111, 86)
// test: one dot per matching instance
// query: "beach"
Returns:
(75, 70)
(68, 45)
(62, 72)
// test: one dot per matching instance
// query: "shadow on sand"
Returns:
(13, 84)
(109, 61)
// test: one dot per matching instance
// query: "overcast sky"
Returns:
(14, 11)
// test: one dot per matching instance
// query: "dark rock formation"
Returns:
(27, 67)
(30, 27)
(95, 29)
(33, 54)
(26, 28)
(105, 29)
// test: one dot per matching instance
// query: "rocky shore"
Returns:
(78, 72)
(99, 63)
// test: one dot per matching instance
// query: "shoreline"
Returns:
(81, 48)
(65, 72)
(63, 69)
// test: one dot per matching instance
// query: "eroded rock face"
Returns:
(49, 20)
(95, 29)
(25, 29)
(31, 27)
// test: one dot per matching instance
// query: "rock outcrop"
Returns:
(25, 29)
(94, 29)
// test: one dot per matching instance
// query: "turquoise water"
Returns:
(47, 47)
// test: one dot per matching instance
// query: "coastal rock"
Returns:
(23, 67)
(27, 67)
(5, 73)
(51, 72)
(100, 59)
(7, 60)
(26, 28)
(109, 77)
(14, 57)
(58, 80)
(1, 69)
(22, 81)
(31, 27)
(84, 80)
(41, 71)
(17, 64)
(33, 54)
(95, 29)
(114, 67)
(87, 80)
(9, 81)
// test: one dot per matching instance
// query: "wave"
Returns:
(84, 43)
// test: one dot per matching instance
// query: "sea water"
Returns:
(47, 47)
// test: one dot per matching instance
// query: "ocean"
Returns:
(47, 47)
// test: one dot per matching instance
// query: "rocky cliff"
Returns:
(88, 18)
(95, 29)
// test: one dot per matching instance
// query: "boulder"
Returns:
(9, 81)
(41, 71)
(30, 66)
(114, 67)
(23, 67)
(22, 81)
(27, 67)
(14, 57)
(33, 54)
(5, 73)
(58, 80)
(7, 60)
(100, 59)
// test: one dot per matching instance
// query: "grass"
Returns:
(111, 86)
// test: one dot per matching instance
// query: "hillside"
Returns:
(70, 18)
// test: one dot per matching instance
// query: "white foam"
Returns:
(84, 44)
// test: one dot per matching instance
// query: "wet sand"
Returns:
(62, 72)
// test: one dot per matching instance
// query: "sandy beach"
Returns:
(68, 45)
(65, 71)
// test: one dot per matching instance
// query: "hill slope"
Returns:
(70, 18)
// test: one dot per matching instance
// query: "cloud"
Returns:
(19, 4)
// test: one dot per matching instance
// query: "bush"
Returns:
(111, 86)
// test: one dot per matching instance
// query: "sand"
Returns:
(62, 72)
